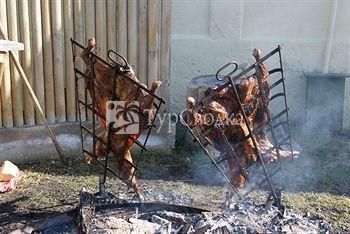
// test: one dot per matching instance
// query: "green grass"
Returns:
(318, 182)
(334, 208)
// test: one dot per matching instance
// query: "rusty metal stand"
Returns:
(219, 160)
(84, 106)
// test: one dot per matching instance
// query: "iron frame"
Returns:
(81, 105)
(231, 78)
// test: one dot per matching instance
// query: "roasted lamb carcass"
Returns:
(102, 90)
(220, 116)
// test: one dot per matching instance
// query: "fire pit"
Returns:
(111, 214)
(115, 214)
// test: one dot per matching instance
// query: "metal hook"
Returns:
(125, 67)
(221, 78)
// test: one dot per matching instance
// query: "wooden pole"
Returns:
(2, 62)
(122, 33)
(32, 94)
(153, 41)
(16, 84)
(38, 58)
(89, 33)
(6, 99)
(142, 41)
(165, 52)
(48, 68)
(132, 33)
(90, 19)
(101, 39)
(70, 80)
(58, 56)
(111, 25)
(79, 36)
(27, 61)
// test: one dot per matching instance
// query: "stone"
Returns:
(8, 170)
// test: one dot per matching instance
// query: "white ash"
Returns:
(160, 196)
(243, 217)
(246, 217)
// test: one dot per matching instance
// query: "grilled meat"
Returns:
(220, 115)
(101, 89)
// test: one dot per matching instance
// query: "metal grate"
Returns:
(86, 106)
(272, 123)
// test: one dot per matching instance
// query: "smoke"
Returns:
(313, 137)
(325, 100)
(313, 134)
(203, 171)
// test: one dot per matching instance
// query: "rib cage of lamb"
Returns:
(219, 105)
(126, 88)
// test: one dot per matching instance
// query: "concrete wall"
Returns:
(33, 144)
(206, 34)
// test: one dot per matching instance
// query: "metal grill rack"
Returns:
(88, 107)
(272, 124)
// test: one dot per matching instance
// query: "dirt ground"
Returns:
(317, 182)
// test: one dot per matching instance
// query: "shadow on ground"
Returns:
(323, 166)
(50, 188)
